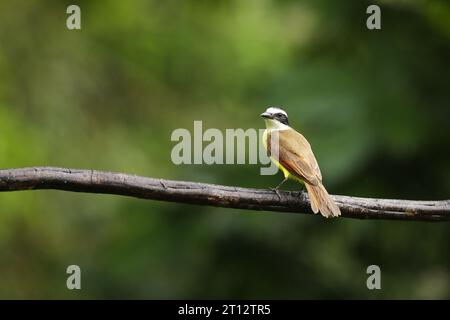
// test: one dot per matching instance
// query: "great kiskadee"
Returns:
(296, 160)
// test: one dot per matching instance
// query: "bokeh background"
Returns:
(374, 105)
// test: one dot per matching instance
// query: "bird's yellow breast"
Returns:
(285, 171)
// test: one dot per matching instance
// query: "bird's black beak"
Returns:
(266, 115)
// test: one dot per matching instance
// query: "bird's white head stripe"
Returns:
(273, 110)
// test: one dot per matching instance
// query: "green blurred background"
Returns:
(374, 105)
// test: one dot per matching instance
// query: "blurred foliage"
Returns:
(374, 104)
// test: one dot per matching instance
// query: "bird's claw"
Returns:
(277, 192)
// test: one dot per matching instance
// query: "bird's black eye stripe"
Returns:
(282, 118)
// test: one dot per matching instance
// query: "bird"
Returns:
(296, 160)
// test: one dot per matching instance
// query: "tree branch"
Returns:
(92, 181)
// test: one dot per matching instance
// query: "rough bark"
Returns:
(92, 181)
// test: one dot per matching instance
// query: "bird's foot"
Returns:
(276, 190)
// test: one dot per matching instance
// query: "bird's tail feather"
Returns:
(321, 201)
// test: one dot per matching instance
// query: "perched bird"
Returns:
(295, 158)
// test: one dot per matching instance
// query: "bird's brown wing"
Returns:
(295, 155)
